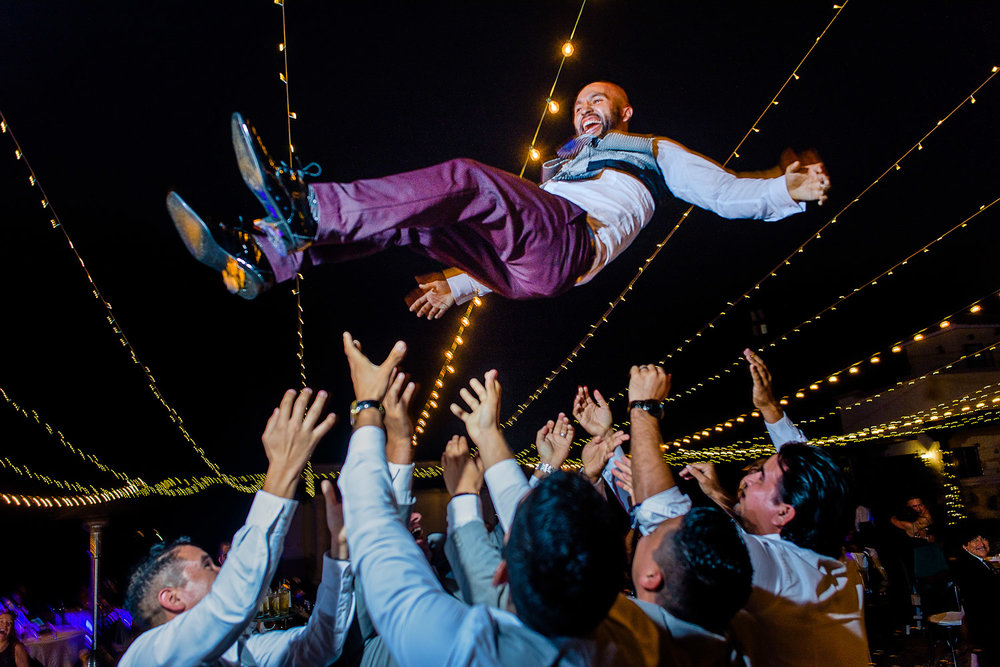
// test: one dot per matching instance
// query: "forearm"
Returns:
(493, 448)
(507, 487)
(650, 474)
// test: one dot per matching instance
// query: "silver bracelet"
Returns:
(545, 468)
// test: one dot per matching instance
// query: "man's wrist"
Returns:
(281, 481)
(771, 413)
(369, 417)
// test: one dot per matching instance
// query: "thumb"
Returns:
(793, 167)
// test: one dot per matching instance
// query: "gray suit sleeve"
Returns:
(474, 558)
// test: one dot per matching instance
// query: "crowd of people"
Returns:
(755, 575)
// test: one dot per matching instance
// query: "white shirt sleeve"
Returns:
(700, 181)
(463, 509)
(784, 431)
(507, 486)
(624, 498)
(415, 617)
(658, 508)
(321, 640)
(402, 487)
(464, 287)
(203, 633)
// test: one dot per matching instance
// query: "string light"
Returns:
(115, 325)
(567, 49)
(553, 106)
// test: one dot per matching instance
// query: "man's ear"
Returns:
(500, 575)
(170, 600)
(783, 516)
(626, 114)
(651, 579)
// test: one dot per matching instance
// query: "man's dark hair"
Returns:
(158, 569)
(706, 569)
(563, 555)
(816, 487)
(967, 530)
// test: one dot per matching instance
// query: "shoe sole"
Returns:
(240, 278)
(256, 177)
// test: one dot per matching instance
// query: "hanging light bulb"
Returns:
(567, 49)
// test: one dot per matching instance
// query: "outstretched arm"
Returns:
(779, 426)
(651, 474)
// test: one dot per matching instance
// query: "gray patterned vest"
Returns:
(586, 157)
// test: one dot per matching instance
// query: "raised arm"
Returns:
(648, 388)
(399, 441)
(504, 478)
(779, 426)
(552, 441)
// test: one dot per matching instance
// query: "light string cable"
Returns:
(909, 382)
(33, 415)
(56, 223)
(580, 346)
(550, 106)
(777, 340)
(832, 378)
(307, 474)
(894, 167)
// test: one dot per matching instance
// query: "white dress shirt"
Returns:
(619, 206)
(214, 630)
(807, 606)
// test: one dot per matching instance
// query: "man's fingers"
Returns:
(458, 411)
(411, 387)
(396, 355)
(324, 427)
(301, 404)
(314, 411)
(600, 399)
(285, 407)
(469, 399)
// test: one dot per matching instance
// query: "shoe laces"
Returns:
(312, 169)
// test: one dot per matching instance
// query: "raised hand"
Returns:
(370, 381)
(432, 298)
(807, 183)
(290, 437)
(553, 441)
(335, 521)
(594, 414)
(598, 452)
(398, 424)
(763, 395)
(704, 473)
(482, 420)
(648, 382)
(462, 473)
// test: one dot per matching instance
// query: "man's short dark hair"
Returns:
(158, 569)
(706, 569)
(968, 530)
(564, 556)
(816, 487)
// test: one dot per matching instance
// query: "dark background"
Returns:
(116, 103)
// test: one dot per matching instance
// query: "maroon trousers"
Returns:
(503, 230)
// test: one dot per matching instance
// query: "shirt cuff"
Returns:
(658, 508)
(782, 199)
(401, 475)
(463, 287)
(463, 509)
(784, 431)
(507, 487)
(267, 507)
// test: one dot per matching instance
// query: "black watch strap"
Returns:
(650, 405)
(358, 406)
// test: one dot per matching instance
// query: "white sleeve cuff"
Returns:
(507, 487)
(782, 200)
(463, 287)
(784, 431)
(463, 509)
(402, 482)
(664, 505)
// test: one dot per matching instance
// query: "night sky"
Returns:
(116, 103)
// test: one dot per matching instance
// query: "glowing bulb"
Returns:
(834, 379)
(799, 394)
(438, 383)
(897, 349)
(458, 339)
(854, 370)
(534, 154)
(449, 355)
(434, 394)
(450, 369)
(813, 387)
(945, 324)
(465, 321)
(918, 337)
(783, 401)
(433, 404)
(567, 49)
(477, 301)
(553, 106)
(975, 309)
(740, 420)
(875, 360)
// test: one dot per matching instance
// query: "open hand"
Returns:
(763, 394)
(462, 473)
(594, 414)
(432, 298)
(398, 424)
(648, 382)
(553, 441)
(290, 437)
(370, 381)
(598, 452)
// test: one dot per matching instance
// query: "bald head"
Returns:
(601, 107)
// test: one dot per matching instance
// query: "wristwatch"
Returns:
(358, 406)
(650, 405)
(545, 468)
